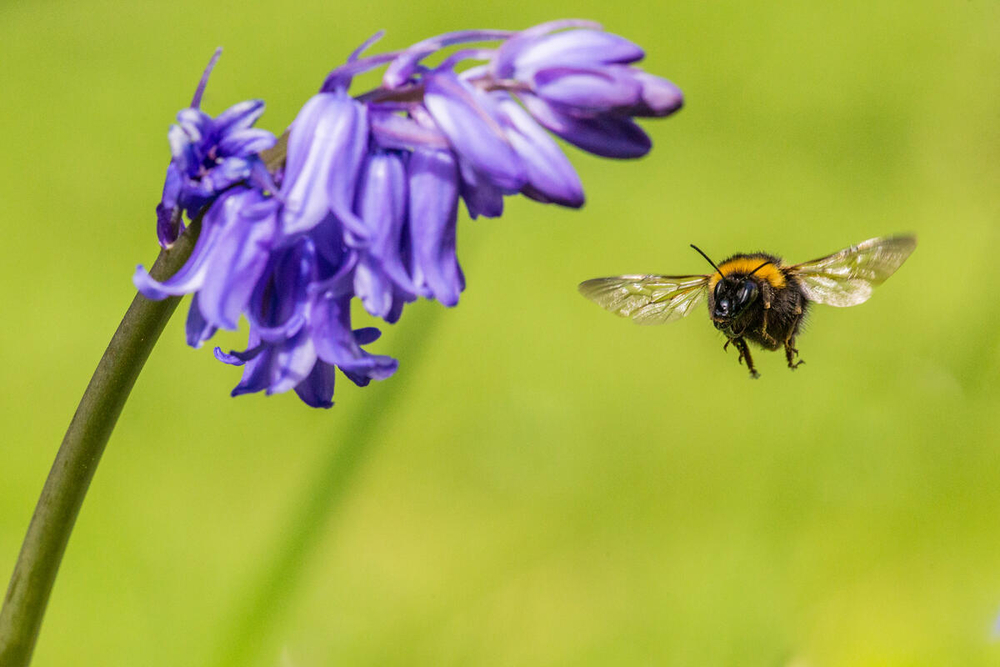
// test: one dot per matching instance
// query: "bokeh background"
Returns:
(541, 483)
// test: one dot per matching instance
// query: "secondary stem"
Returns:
(76, 462)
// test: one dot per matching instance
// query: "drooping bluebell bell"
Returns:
(365, 204)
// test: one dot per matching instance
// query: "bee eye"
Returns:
(747, 292)
(719, 288)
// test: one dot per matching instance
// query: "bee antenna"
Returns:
(709, 260)
(758, 268)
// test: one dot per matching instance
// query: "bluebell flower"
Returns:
(209, 155)
(382, 276)
(365, 203)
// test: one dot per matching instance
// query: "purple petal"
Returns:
(246, 142)
(373, 287)
(261, 178)
(197, 125)
(257, 361)
(277, 309)
(257, 373)
(184, 147)
(331, 247)
(191, 276)
(168, 219)
(521, 56)
(463, 114)
(376, 367)
(317, 389)
(293, 362)
(239, 258)
(659, 97)
(239, 116)
(381, 205)
(605, 135)
(197, 328)
(588, 89)
(254, 348)
(433, 216)
(336, 343)
(397, 308)
(551, 177)
(381, 277)
(366, 335)
(482, 197)
(168, 225)
(226, 173)
(326, 147)
(273, 368)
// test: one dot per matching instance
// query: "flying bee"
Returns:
(756, 297)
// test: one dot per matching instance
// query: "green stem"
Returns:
(76, 462)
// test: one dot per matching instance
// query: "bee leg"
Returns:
(744, 349)
(790, 351)
(768, 338)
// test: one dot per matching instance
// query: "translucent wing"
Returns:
(847, 278)
(647, 299)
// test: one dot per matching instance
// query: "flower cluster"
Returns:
(366, 200)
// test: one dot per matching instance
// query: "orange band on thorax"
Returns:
(744, 265)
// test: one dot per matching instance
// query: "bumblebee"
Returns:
(756, 297)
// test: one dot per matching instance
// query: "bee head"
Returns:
(733, 295)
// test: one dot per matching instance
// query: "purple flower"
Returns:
(300, 330)
(549, 176)
(382, 276)
(579, 84)
(227, 262)
(365, 205)
(210, 155)
(326, 147)
(433, 216)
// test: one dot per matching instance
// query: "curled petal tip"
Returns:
(659, 97)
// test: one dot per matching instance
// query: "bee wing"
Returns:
(847, 278)
(647, 299)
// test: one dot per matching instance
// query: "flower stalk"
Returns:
(75, 464)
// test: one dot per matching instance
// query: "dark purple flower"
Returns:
(210, 155)
(365, 205)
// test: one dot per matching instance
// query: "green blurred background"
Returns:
(541, 483)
